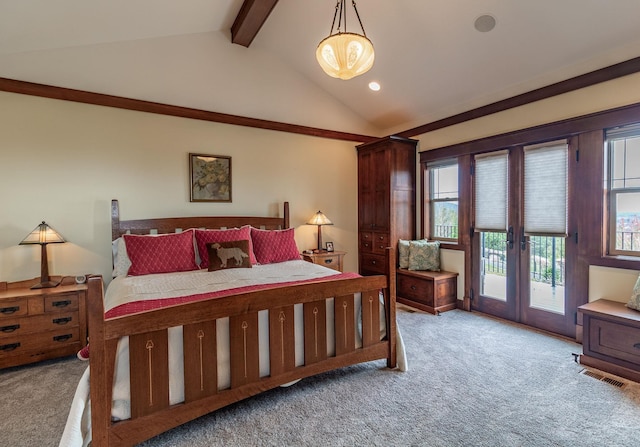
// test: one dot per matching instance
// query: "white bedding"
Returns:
(124, 289)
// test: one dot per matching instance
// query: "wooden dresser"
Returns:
(386, 199)
(433, 292)
(40, 324)
(611, 338)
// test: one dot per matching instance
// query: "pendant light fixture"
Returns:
(345, 55)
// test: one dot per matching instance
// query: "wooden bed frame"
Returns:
(150, 409)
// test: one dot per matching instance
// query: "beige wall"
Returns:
(607, 95)
(63, 162)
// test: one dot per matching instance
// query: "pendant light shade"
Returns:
(342, 54)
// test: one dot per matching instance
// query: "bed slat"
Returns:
(344, 324)
(200, 360)
(281, 340)
(315, 332)
(370, 318)
(243, 338)
(149, 370)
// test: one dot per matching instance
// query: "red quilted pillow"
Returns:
(272, 246)
(161, 253)
(204, 237)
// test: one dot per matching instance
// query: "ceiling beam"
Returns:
(250, 19)
(586, 80)
(81, 96)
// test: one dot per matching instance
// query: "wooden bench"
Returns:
(432, 292)
(611, 338)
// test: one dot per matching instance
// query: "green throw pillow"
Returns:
(403, 254)
(634, 302)
(424, 255)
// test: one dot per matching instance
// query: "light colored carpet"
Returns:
(473, 381)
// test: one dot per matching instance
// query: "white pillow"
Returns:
(121, 261)
(634, 302)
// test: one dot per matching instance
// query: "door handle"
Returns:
(510, 238)
(523, 241)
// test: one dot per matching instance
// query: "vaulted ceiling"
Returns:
(430, 60)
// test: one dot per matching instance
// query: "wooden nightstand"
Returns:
(331, 259)
(41, 324)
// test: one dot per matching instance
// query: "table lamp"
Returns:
(43, 234)
(319, 219)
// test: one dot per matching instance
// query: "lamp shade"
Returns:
(319, 219)
(345, 55)
(43, 234)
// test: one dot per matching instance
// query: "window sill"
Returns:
(623, 262)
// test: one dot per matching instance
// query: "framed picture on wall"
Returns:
(210, 178)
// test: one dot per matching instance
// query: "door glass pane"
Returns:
(546, 270)
(493, 265)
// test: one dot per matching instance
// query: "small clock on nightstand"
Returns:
(331, 259)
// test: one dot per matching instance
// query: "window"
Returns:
(623, 184)
(443, 200)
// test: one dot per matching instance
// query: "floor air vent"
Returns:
(603, 378)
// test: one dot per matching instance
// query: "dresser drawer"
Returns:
(366, 242)
(13, 346)
(370, 263)
(10, 328)
(333, 262)
(380, 242)
(615, 340)
(415, 289)
(58, 303)
(16, 307)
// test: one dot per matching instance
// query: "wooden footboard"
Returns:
(148, 346)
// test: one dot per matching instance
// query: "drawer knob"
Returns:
(9, 310)
(637, 346)
(413, 287)
(64, 303)
(12, 328)
(328, 261)
(62, 338)
(373, 262)
(9, 347)
(61, 321)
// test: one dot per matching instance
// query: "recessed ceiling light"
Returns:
(373, 85)
(485, 23)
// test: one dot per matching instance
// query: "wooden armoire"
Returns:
(386, 199)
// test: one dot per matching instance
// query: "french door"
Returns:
(520, 240)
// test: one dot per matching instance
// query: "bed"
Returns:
(187, 345)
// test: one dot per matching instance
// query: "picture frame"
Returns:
(209, 178)
(329, 246)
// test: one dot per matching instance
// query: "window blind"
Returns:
(545, 189)
(491, 190)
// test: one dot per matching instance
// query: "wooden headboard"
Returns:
(170, 224)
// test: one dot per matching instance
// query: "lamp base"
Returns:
(46, 285)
